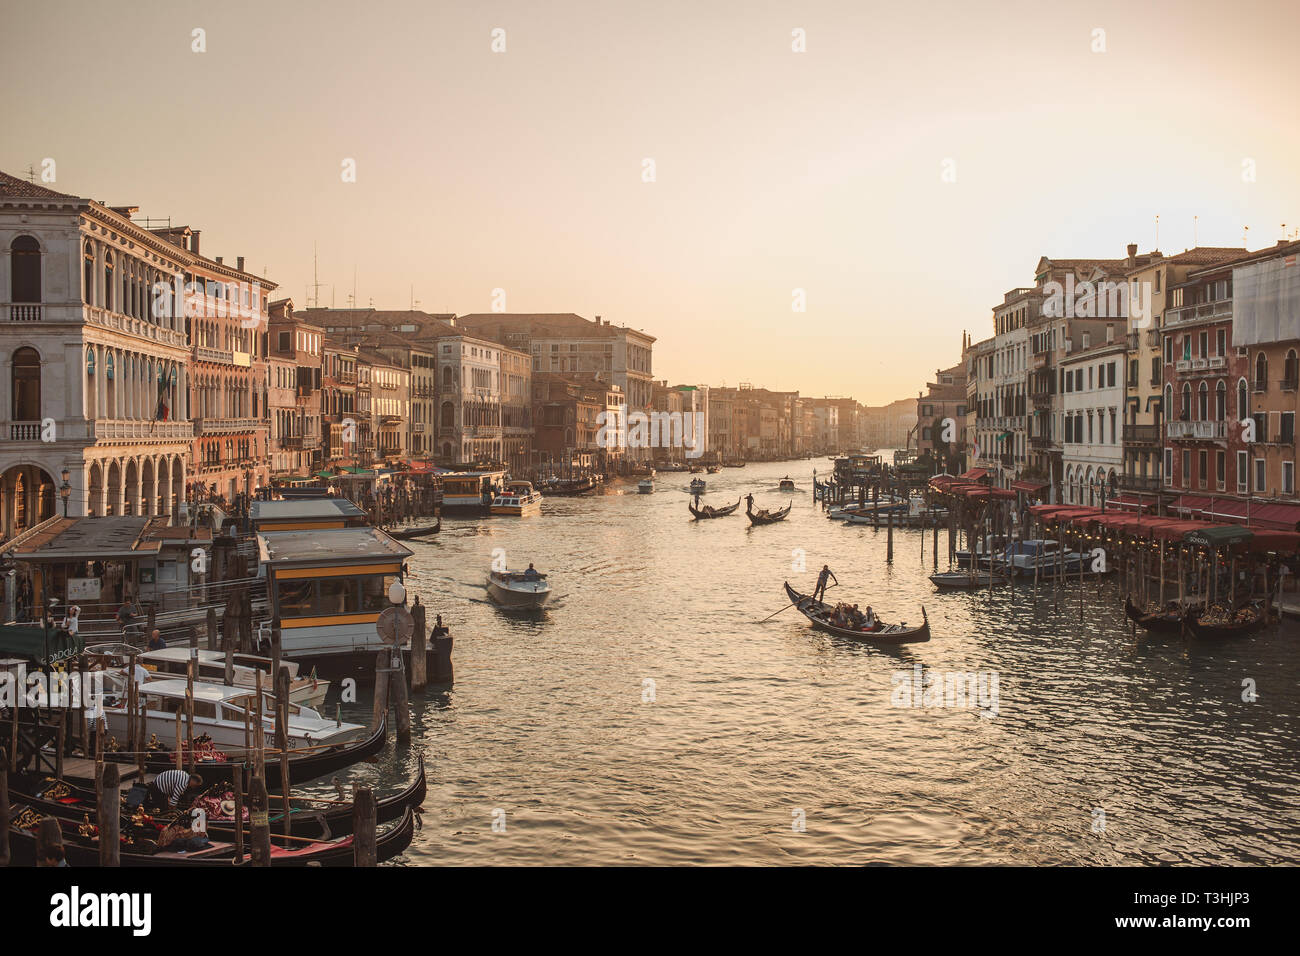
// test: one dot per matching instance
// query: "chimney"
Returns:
(194, 242)
(1132, 253)
(598, 322)
(239, 263)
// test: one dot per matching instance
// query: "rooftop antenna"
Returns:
(316, 283)
(1195, 231)
(1157, 231)
(31, 173)
(1245, 236)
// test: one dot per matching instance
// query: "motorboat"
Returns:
(519, 589)
(519, 499)
(645, 486)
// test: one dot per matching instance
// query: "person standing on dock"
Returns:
(820, 591)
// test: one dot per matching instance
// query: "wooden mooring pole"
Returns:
(259, 822)
(110, 815)
(364, 813)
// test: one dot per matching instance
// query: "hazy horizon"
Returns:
(775, 170)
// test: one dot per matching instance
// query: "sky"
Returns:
(896, 177)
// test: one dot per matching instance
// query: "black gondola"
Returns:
(84, 851)
(763, 516)
(710, 512)
(302, 766)
(405, 534)
(1169, 620)
(1244, 621)
(819, 613)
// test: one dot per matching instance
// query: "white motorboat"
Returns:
(519, 499)
(518, 589)
(171, 662)
(224, 713)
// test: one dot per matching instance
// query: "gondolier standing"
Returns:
(820, 591)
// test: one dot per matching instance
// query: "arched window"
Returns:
(1243, 401)
(1220, 401)
(26, 394)
(1261, 372)
(108, 281)
(1185, 413)
(1169, 403)
(1203, 403)
(1291, 371)
(25, 270)
(88, 275)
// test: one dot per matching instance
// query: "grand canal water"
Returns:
(1105, 749)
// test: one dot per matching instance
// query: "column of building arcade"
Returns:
(122, 385)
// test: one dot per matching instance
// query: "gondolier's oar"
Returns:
(788, 606)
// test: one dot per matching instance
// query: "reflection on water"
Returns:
(645, 717)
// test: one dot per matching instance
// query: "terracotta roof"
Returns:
(540, 324)
(11, 187)
(1206, 255)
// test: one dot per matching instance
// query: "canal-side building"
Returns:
(940, 411)
(1092, 400)
(340, 427)
(977, 424)
(1008, 448)
(568, 344)
(296, 345)
(1149, 286)
(98, 367)
(390, 385)
(1266, 327)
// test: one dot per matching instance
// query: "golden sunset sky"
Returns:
(775, 170)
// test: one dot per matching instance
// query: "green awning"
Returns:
(1217, 537)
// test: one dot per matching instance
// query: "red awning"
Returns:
(975, 474)
(1266, 515)
(1283, 542)
(1047, 511)
(1029, 487)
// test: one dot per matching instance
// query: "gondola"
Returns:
(710, 512)
(406, 534)
(84, 850)
(763, 516)
(1169, 620)
(311, 818)
(302, 766)
(1246, 620)
(819, 613)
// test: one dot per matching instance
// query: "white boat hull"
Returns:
(522, 594)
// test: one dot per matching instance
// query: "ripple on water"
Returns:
(752, 723)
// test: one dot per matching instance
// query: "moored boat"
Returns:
(1217, 623)
(519, 589)
(966, 580)
(419, 531)
(820, 613)
(1159, 620)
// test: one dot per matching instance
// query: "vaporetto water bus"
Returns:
(327, 588)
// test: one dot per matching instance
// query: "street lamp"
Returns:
(65, 490)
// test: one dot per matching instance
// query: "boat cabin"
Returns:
(328, 588)
(307, 514)
(470, 490)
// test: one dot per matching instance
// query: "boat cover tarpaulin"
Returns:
(1029, 487)
(1266, 301)
(30, 641)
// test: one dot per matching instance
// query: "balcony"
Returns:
(1142, 434)
(1153, 338)
(300, 442)
(225, 426)
(1140, 483)
(140, 429)
(222, 356)
(25, 313)
(1202, 312)
(1040, 442)
(1197, 431)
(25, 431)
